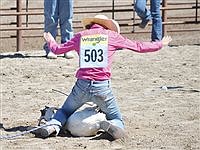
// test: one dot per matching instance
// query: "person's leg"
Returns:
(110, 108)
(66, 16)
(106, 101)
(157, 21)
(142, 12)
(78, 96)
(50, 19)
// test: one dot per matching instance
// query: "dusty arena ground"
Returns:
(155, 118)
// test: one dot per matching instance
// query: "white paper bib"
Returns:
(94, 51)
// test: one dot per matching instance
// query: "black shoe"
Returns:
(144, 24)
(44, 132)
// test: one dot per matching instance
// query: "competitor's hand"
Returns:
(48, 37)
(166, 40)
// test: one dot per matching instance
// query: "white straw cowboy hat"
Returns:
(102, 20)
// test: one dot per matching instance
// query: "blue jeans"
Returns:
(58, 11)
(84, 91)
(152, 14)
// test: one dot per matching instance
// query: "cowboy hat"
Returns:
(104, 21)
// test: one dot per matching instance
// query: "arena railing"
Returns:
(113, 9)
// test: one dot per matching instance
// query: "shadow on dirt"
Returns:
(14, 129)
(25, 129)
(103, 136)
(18, 55)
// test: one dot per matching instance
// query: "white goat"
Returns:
(85, 121)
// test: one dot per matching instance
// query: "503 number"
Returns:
(93, 55)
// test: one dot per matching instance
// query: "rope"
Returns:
(59, 92)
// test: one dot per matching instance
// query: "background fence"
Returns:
(23, 20)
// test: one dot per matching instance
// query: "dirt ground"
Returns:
(29, 43)
(155, 118)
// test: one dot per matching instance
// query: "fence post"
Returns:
(164, 17)
(196, 11)
(133, 4)
(26, 11)
(113, 9)
(19, 24)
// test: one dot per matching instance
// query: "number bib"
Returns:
(94, 51)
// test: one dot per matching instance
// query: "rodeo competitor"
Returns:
(95, 46)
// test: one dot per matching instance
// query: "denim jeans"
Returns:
(58, 11)
(84, 91)
(152, 14)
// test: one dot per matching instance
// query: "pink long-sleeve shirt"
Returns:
(115, 41)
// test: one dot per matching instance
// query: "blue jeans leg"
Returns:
(104, 98)
(141, 10)
(65, 16)
(110, 108)
(76, 99)
(157, 21)
(84, 91)
(50, 19)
